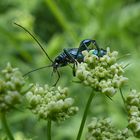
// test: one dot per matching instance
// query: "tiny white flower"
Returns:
(103, 74)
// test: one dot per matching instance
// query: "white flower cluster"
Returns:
(51, 103)
(102, 129)
(133, 108)
(103, 74)
(11, 83)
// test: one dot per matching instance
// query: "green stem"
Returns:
(61, 18)
(85, 115)
(49, 130)
(122, 96)
(6, 127)
(123, 100)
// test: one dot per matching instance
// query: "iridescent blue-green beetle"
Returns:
(70, 55)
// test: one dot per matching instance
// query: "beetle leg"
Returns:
(81, 48)
(96, 45)
(71, 58)
(73, 70)
(57, 78)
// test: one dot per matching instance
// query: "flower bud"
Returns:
(104, 130)
(133, 109)
(11, 84)
(51, 103)
(103, 74)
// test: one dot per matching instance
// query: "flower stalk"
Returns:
(49, 129)
(6, 127)
(85, 115)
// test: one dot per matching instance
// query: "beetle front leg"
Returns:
(70, 57)
(96, 45)
(57, 78)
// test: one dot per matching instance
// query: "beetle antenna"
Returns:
(36, 70)
(35, 40)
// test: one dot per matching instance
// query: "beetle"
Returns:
(69, 55)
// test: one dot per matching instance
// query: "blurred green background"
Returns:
(59, 24)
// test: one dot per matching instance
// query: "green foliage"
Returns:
(59, 24)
